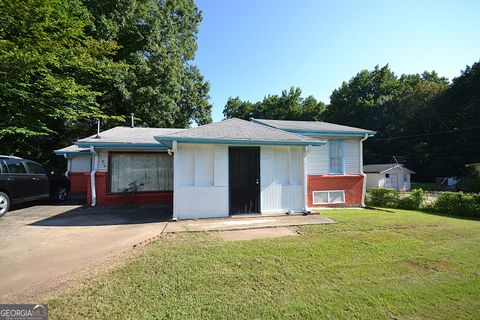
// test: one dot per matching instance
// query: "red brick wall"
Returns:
(104, 199)
(353, 186)
(78, 181)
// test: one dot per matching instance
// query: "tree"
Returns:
(288, 106)
(48, 64)
(157, 39)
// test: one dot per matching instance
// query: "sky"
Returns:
(250, 48)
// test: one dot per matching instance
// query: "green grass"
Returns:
(373, 264)
(426, 186)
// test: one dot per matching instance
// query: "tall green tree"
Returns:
(48, 68)
(157, 39)
(289, 105)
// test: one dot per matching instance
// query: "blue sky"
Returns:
(253, 48)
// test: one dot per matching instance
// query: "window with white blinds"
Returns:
(142, 172)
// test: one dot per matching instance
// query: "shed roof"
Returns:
(313, 127)
(237, 131)
(381, 168)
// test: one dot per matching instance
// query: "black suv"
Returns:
(24, 180)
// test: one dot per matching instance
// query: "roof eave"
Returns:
(79, 153)
(167, 139)
(331, 133)
(121, 145)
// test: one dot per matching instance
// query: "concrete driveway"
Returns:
(44, 241)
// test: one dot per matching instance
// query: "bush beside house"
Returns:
(455, 203)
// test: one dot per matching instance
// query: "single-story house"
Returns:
(393, 176)
(228, 167)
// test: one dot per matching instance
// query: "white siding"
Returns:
(351, 156)
(281, 176)
(80, 163)
(318, 159)
(373, 180)
(200, 181)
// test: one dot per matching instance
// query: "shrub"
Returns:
(383, 197)
(393, 199)
(413, 201)
(457, 203)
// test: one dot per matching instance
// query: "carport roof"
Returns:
(73, 149)
(126, 137)
(237, 131)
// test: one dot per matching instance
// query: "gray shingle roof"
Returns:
(127, 135)
(316, 126)
(72, 149)
(241, 131)
(377, 168)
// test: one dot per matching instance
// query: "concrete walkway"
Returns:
(245, 222)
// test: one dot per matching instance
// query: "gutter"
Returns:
(92, 176)
(364, 188)
(308, 149)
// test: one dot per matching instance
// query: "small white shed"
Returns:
(392, 176)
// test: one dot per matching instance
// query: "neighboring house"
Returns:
(475, 166)
(228, 167)
(393, 176)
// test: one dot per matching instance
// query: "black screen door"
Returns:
(244, 173)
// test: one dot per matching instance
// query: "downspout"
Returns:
(308, 149)
(69, 165)
(364, 189)
(173, 152)
(92, 176)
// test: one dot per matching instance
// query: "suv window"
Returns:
(35, 168)
(15, 166)
(3, 167)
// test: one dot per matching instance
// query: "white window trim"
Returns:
(328, 196)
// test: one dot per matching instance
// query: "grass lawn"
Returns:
(373, 264)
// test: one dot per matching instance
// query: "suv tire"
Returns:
(61, 193)
(4, 203)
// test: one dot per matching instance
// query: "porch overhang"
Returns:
(167, 141)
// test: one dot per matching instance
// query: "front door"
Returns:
(244, 179)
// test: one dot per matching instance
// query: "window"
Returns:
(147, 172)
(3, 167)
(35, 168)
(387, 175)
(405, 178)
(329, 197)
(336, 156)
(15, 166)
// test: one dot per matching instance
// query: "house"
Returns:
(475, 166)
(228, 167)
(393, 176)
